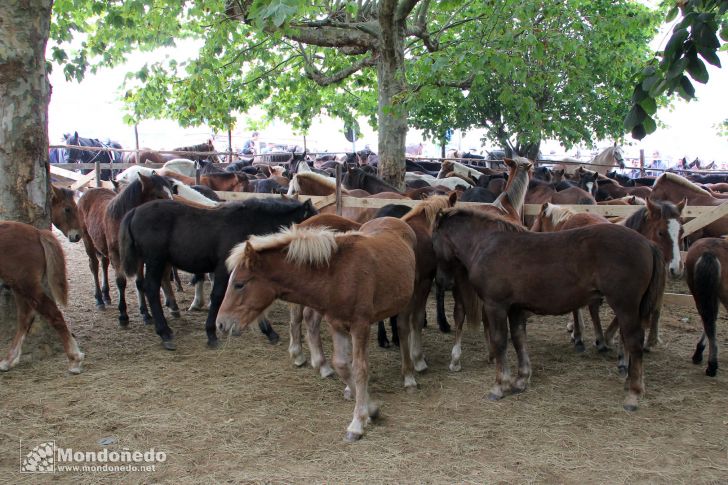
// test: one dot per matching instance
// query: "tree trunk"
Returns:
(24, 95)
(529, 150)
(391, 112)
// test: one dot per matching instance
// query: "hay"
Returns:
(244, 413)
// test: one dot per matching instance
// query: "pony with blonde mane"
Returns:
(353, 279)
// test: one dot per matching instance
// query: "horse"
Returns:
(64, 213)
(101, 211)
(707, 269)
(576, 267)
(612, 156)
(356, 178)
(182, 166)
(658, 221)
(382, 258)
(222, 182)
(675, 188)
(450, 167)
(199, 194)
(167, 233)
(76, 155)
(34, 268)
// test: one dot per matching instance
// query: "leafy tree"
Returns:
(548, 70)
(694, 37)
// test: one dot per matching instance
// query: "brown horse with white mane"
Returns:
(34, 268)
(64, 213)
(380, 256)
(575, 268)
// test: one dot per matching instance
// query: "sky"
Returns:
(93, 108)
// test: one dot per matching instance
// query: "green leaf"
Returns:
(711, 57)
(697, 70)
(649, 125)
(671, 14)
(650, 82)
(638, 132)
(635, 117)
(686, 88)
(649, 105)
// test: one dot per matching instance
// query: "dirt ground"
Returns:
(243, 413)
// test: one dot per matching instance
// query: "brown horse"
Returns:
(34, 268)
(675, 188)
(102, 211)
(381, 257)
(64, 213)
(575, 268)
(707, 270)
(223, 182)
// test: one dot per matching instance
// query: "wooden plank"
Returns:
(66, 174)
(679, 299)
(325, 201)
(705, 219)
(84, 180)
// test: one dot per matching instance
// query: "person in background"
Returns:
(656, 163)
(251, 146)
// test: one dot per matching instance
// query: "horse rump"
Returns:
(127, 247)
(705, 287)
(652, 298)
(55, 267)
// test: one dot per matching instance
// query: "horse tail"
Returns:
(127, 248)
(55, 267)
(652, 298)
(706, 289)
(471, 301)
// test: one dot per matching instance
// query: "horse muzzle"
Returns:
(225, 323)
(74, 236)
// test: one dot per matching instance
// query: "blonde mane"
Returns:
(557, 214)
(516, 191)
(503, 224)
(671, 177)
(295, 186)
(430, 207)
(312, 246)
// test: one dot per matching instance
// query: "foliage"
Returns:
(694, 36)
(559, 71)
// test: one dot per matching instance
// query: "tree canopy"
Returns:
(525, 70)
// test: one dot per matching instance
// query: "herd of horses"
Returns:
(368, 264)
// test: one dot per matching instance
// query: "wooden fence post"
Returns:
(98, 173)
(230, 145)
(642, 162)
(136, 138)
(338, 189)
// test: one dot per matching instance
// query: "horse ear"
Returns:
(250, 257)
(652, 207)
(145, 181)
(681, 205)
(116, 185)
(595, 176)
(452, 199)
(559, 171)
(54, 193)
(509, 162)
(544, 207)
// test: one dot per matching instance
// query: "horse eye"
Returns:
(238, 285)
(67, 210)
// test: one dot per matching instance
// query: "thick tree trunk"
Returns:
(24, 95)
(391, 112)
(529, 149)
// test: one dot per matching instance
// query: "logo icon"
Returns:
(41, 459)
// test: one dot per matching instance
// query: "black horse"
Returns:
(77, 155)
(356, 178)
(197, 241)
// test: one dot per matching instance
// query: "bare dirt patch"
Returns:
(244, 413)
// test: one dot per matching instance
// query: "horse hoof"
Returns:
(76, 369)
(176, 314)
(299, 360)
(352, 437)
(712, 369)
(213, 344)
(123, 322)
(374, 413)
(169, 345)
(101, 307)
(195, 308)
(494, 397)
(455, 367)
(107, 300)
(326, 371)
(579, 347)
(395, 342)
(697, 359)
(411, 389)
(630, 407)
(273, 339)
(421, 365)
(384, 344)
(147, 319)
(602, 348)
(445, 328)
(4, 366)
(622, 371)
(348, 394)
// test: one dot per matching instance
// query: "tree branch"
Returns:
(356, 41)
(403, 9)
(315, 74)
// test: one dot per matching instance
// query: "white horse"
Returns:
(461, 169)
(449, 182)
(607, 159)
(183, 190)
(182, 166)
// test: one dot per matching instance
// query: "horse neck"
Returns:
(514, 195)
(290, 281)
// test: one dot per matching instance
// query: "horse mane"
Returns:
(270, 205)
(202, 147)
(462, 169)
(671, 177)
(311, 246)
(295, 186)
(503, 224)
(636, 220)
(558, 214)
(430, 207)
(517, 188)
(130, 197)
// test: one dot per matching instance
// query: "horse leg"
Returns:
(498, 328)
(576, 334)
(295, 349)
(699, 348)
(105, 281)
(93, 264)
(486, 334)
(342, 358)
(417, 319)
(152, 283)
(611, 330)
(599, 340)
(517, 322)
(49, 310)
(441, 315)
(364, 409)
(382, 335)
(313, 337)
(633, 337)
(712, 368)
(121, 286)
(219, 285)
(395, 332)
(177, 281)
(169, 300)
(266, 328)
(654, 336)
(198, 303)
(26, 314)
(146, 317)
(404, 322)
(459, 316)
